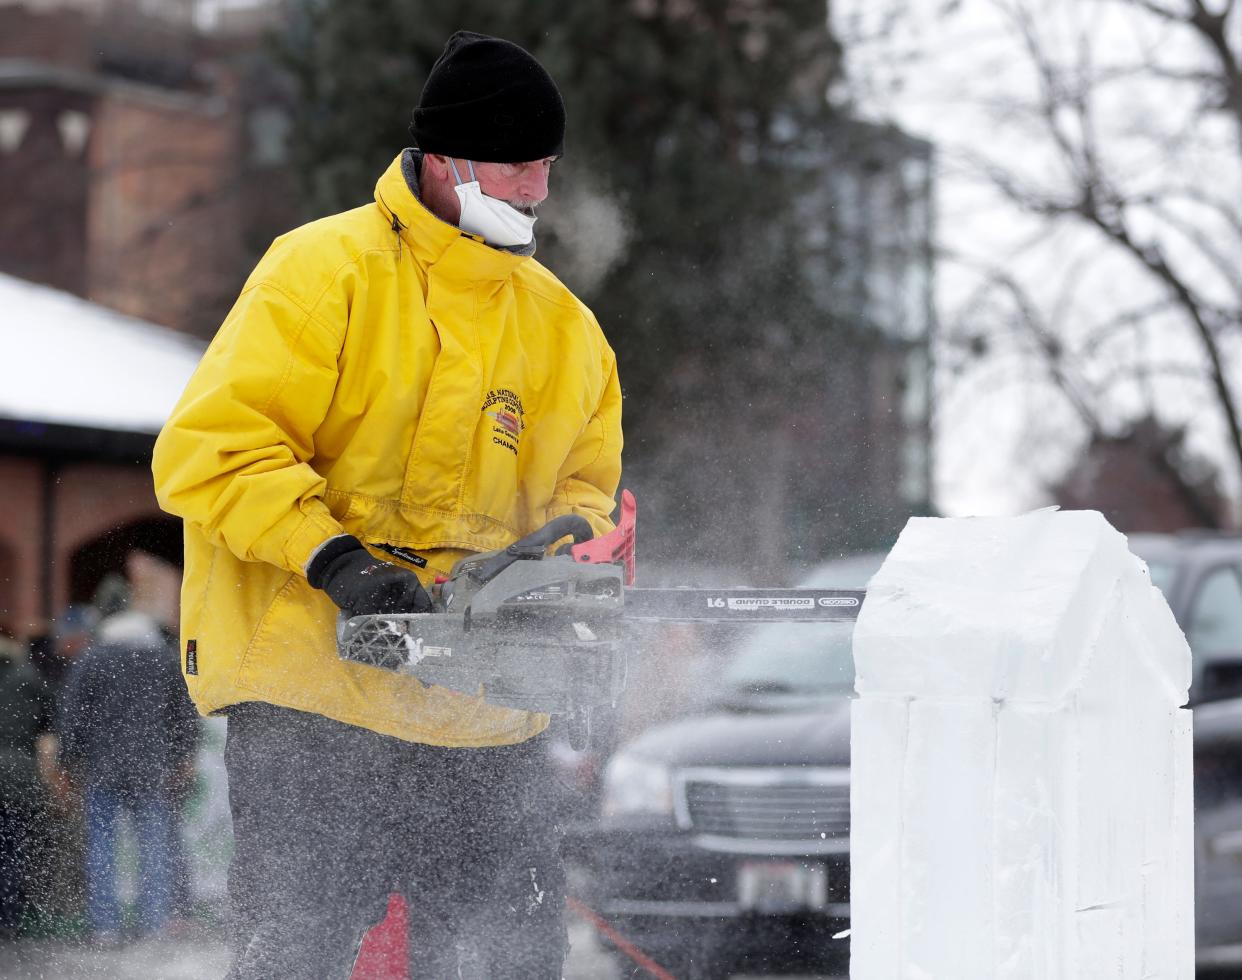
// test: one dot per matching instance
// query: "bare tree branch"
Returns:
(1212, 26)
(1153, 259)
(1104, 333)
(1223, 207)
(1158, 10)
(1226, 265)
(1050, 347)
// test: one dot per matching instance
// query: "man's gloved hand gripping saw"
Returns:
(363, 585)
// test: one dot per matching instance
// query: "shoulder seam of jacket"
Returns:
(311, 309)
(307, 312)
(569, 301)
(353, 260)
(290, 360)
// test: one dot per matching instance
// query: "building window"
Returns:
(13, 126)
(269, 136)
(75, 128)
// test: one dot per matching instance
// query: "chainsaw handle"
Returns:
(532, 546)
(554, 530)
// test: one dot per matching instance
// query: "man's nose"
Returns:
(534, 185)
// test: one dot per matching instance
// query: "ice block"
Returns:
(1020, 759)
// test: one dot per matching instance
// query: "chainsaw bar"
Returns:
(741, 605)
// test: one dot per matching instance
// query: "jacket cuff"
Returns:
(326, 554)
(314, 525)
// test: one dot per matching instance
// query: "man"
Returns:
(25, 723)
(70, 635)
(127, 738)
(59, 884)
(397, 387)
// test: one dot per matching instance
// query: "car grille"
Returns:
(775, 806)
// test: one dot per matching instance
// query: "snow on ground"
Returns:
(190, 959)
(205, 957)
(72, 362)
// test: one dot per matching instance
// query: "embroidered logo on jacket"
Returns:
(504, 408)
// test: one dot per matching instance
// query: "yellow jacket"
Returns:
(385, 375)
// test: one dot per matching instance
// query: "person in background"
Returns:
(113, 593)
(152, 585)
(57, 883)
(128, 735)
(70, 635)
(25, 723)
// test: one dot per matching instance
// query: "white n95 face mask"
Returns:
(488, 217)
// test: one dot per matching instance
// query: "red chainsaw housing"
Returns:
(617, 546)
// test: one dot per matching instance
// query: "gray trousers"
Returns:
(329, 819)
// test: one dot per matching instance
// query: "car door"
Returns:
(1214, 629)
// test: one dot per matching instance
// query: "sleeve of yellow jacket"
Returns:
(233, 458)
(588, 480)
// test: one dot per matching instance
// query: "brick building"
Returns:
(141, 159)
(141, 168)
(1146, 479)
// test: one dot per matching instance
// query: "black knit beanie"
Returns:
(488, 99)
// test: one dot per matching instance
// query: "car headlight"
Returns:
(636, 785)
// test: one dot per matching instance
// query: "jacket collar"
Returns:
(435, 242)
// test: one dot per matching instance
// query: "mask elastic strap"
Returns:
(457, 173)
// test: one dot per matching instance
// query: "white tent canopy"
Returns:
(68, 361)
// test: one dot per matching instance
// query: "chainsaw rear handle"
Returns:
(533, 546)
(535, 543)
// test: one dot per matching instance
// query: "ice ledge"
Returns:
(985, 607)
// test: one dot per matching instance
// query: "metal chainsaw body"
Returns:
(540, 636)
(544, 633)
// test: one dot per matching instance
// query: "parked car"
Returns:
(1201, 575)
(722, 839)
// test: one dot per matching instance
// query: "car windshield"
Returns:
(1163, 574)
(807, 659)
(794, 658)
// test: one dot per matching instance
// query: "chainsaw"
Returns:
(542, 632)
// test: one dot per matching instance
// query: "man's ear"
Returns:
(437, 165)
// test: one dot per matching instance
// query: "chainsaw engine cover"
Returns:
(539, 636)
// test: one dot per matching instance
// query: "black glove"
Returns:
(362, 585)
